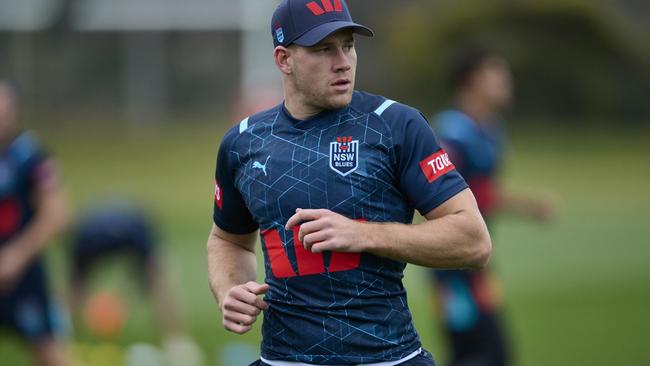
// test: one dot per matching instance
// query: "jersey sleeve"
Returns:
(33, 162)
(452, 128)
(425, 174)
(230, 211)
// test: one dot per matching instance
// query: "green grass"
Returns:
(576, 290)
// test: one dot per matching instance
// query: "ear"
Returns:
(282, 56)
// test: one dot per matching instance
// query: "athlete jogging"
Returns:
(331, 178)
(32, 211)
(473, 134)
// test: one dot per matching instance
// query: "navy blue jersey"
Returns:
(477, 152)
(114, 227)
(373, 160)
(27, 307)
(21, 168)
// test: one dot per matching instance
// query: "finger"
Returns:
(257, 288)
(241, 307)
(238, 318)
(235, 327)
(245, 296)
(302, 215)
(308, 228)
(311, 239)
(322, 247)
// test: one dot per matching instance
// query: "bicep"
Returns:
(218, 236)
(463, 201)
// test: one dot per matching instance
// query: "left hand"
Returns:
(322, 230)
(12, 265)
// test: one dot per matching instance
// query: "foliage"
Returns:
(570, 58)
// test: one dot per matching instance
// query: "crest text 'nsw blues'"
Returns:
(344, 155)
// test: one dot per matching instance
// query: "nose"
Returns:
(342, 60)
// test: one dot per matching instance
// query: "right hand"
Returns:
(241, 306)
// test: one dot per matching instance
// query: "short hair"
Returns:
(466, 63)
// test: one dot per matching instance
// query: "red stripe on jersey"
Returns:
(436, 165)
(308, 262)
(280, 265)
(10, 216)
(340, 261)
(344, 261)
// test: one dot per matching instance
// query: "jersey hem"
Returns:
(441, 198)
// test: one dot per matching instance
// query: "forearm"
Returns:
(457, 240)
(229, 265)
(51, 219)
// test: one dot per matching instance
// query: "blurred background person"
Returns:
(106, 232)
(473, 134)
(32, 212)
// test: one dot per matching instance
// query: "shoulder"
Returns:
(246, 124)
(453, 125)
(25, 148)
(393, 113)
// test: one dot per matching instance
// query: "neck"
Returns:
(296, 105)
(476, 108)
(300, 111)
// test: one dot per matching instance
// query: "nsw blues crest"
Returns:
(279, 33)
(344, 155)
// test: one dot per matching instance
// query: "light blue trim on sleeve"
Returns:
(243, 125)
(387, 103)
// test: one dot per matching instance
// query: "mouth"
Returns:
(342, 84)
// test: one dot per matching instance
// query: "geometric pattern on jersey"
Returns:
(26, 308)
(330, 308)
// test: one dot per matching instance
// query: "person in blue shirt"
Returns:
(33, 211)
(118, 228)
(330, 179)
(115, 228)
(472, 132)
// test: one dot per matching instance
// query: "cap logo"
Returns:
(279, 33)
(327, 7)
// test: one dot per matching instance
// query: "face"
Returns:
(322, 76)
(7, 111)
(493, 81)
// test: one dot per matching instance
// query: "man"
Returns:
(331, 178)
(32, 212)
(473, 136)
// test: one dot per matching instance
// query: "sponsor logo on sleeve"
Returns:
(436, 165)
(218, 195)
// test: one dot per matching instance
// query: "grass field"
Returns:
(577, 290)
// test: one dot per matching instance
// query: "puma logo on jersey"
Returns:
(258, 165)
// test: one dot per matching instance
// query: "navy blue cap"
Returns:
(307, 22)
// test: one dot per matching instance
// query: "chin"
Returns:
(339, 101)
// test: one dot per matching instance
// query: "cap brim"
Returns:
(317, 34)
